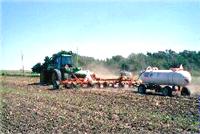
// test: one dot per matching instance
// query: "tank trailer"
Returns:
(165, 81)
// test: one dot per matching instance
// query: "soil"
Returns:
(27, 107)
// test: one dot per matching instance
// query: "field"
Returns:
(27, 107)
(26, 73)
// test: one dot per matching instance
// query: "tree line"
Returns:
(161, 59)
(136, 62)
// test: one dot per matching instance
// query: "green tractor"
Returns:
(59, 67)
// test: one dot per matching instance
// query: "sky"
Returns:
(100, 29)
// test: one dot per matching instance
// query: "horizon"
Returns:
(20, 69)
(95, 29)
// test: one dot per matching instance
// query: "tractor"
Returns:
(60, 70)
(57, 68)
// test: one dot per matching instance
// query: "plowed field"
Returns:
(27, 107)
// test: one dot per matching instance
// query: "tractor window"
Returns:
(66, 60)
(57, 62)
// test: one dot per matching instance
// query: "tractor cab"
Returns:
(62, 60)
(58, 63)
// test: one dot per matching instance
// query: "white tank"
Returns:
(166, 77)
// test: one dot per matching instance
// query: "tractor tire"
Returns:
(42, 78)
(56, 78)
(185, 92)
(166, 91)
(141, 89)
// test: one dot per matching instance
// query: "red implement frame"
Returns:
(99, 82)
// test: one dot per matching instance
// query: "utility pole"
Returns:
(22, 60)
(77, 56)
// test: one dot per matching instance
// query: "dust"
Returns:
(135, 75)
(194, 89)
(103, 72)
(195, 86)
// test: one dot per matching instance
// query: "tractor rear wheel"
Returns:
(56, 78)
(142, 89)
(42, 78)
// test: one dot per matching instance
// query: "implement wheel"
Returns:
(141, 89)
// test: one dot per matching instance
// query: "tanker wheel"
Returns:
(167, 91)
(185, 91)
(142, 89)
(55, 80)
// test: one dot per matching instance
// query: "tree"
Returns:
(37, 68)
